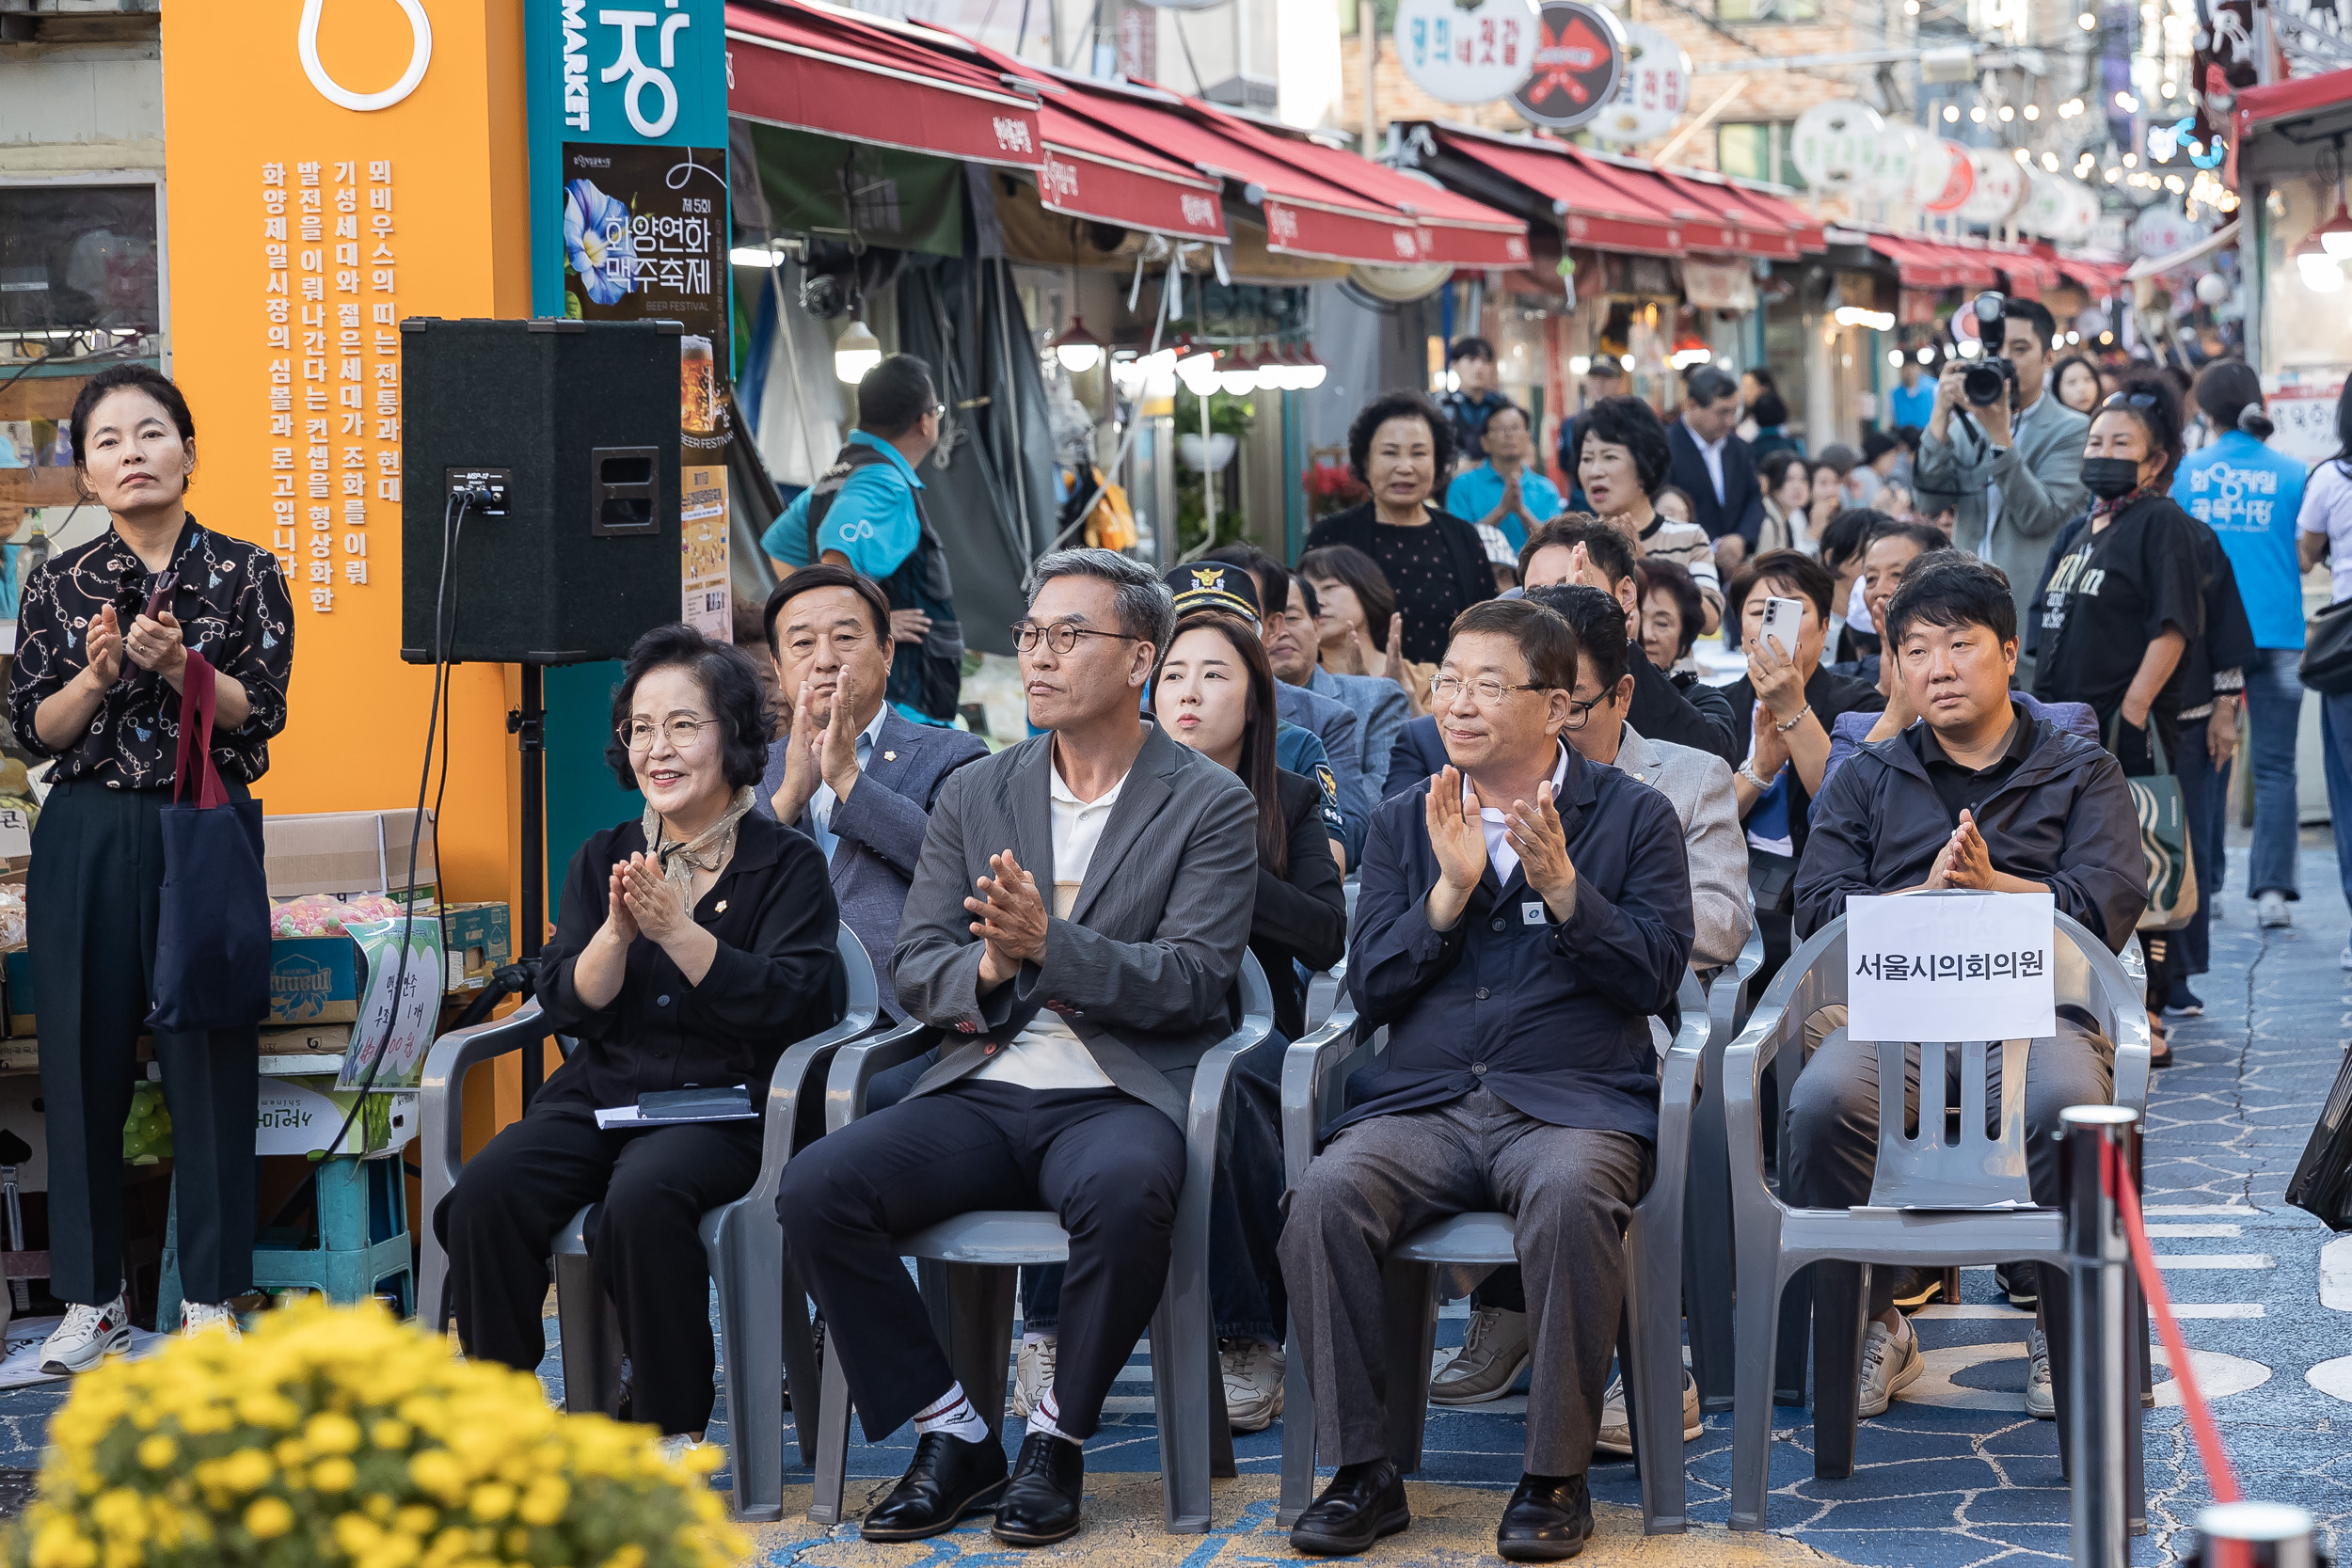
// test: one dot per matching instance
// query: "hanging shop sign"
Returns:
(1899, 152)
(1834, 144)
(1466, 54)
(2160, 232)
(1654, 91)
(2000, 186)
(1579, 60)
(1960, 181)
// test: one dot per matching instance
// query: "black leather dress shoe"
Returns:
(1041, 1502)
(950, 1478)
(1363, 1503)
(1548, 1520)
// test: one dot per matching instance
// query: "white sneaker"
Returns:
(1253, 1382)
(1494, 1351)
(1033, 1375)
(678, 1445)
(1889, 1366)
(88, 1336)
(196, 1317)
(2270, 909)
(1617, 1431)
(2040, 1399)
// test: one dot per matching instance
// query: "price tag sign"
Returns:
(2306, 417)
(16, 835)
(1976, 967)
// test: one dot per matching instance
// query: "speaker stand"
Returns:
(528, 725)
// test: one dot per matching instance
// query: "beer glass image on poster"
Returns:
(645, 238)
(403, 1028)
(1974, 966)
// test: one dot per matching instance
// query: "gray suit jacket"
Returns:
(879, 828)
(1381, 710)
(1143, 970)
(1699, 785)
(2042, 488)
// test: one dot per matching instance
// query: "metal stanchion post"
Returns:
(2097, 1255)
(2256, 1535)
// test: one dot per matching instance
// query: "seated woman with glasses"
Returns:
(694, 945)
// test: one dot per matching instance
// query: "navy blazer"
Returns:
(879, 830)
(1418, 753)
(1552, 1017)
(1742, 510)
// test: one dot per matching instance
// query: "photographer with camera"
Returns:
(2012, 455)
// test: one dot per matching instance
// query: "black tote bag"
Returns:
(211, 941)
(2327, 666)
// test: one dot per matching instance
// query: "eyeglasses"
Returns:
(939, 410)
(2129, 400)
(1485, 693)
(1581, 711)
(1061, 636)
(680, 731)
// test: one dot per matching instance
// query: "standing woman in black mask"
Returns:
(104, 640)
(2122, 601)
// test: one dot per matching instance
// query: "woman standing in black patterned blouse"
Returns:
(1402, 449)
(103, 639)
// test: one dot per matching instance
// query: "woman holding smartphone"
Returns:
(1781, 604)
(103, 639)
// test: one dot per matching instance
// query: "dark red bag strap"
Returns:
(197, 705)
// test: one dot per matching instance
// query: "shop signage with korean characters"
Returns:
(1466, 52)
(1655, 91)
(1952, 967)
(1579, 60)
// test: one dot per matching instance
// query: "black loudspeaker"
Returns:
(572, 428)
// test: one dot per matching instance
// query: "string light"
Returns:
(2049, 161)
(2033, 111)
(1977, 114)
(1951, 113)
(2126, 102)
(2007, 114)
(2087, 22)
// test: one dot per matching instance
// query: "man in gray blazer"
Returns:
(2013, 471)
(850, 773)
(1077, 924)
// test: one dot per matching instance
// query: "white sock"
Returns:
(952, 1414)
(1044, 1417)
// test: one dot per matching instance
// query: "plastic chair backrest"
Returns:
(1938, 1168)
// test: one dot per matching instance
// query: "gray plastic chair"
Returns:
(1941, 1164)
(1706, 1250)
(1315, 1075)
(1326, 987)
(967, 1266)
(763, 1322)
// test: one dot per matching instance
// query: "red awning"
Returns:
(2027, 269)
(2296, 98)
(822, 70)
(1787, 214)
(1449, 227)
(1917, 265)
(1646, 189)
(1760, 233)
(1593, 212)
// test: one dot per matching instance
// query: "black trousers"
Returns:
(1110, 1167)
(497, 1226)
(92, 902)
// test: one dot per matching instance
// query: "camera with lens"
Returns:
(1989, 378)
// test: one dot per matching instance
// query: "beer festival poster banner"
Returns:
(1952, 967)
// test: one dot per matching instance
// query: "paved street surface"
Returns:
(1955, 1474)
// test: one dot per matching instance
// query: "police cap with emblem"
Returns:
(1213, 585)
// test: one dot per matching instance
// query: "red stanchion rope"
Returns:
(2116, 1175)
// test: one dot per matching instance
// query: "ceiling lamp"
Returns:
(2321, 272)
(856, 352)
(1196, 368)
(2335, 235)
(1236, 373)
(1310, 370)
(1280, 370)
(1078, 350)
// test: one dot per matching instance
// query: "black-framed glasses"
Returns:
(1581, 711)
(678, 729)
(1061, 636)
(1485, 691)
(2128, 400)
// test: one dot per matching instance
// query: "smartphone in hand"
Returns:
(1783, 619)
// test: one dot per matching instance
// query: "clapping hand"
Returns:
(1456, 837)
(800, 773)
(618, 922)
(1536, 831)
(1770, 752)
(658, 908)
(836, 745)
(105, 648)
(1967, 861)
(1012, 918)
(155, 643)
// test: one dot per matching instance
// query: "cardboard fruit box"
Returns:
(344, 852)
(480, 938)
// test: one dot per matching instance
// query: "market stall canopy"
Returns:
(1608, 202)
(1921, 262)
(815, 67)
(2153, 266)
(2027, 269)
(2279, 126)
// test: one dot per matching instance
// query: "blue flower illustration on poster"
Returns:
(598, 241)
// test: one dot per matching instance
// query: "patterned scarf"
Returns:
(2102, 507)
(709, 850)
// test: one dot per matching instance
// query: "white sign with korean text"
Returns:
(1972, 967)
